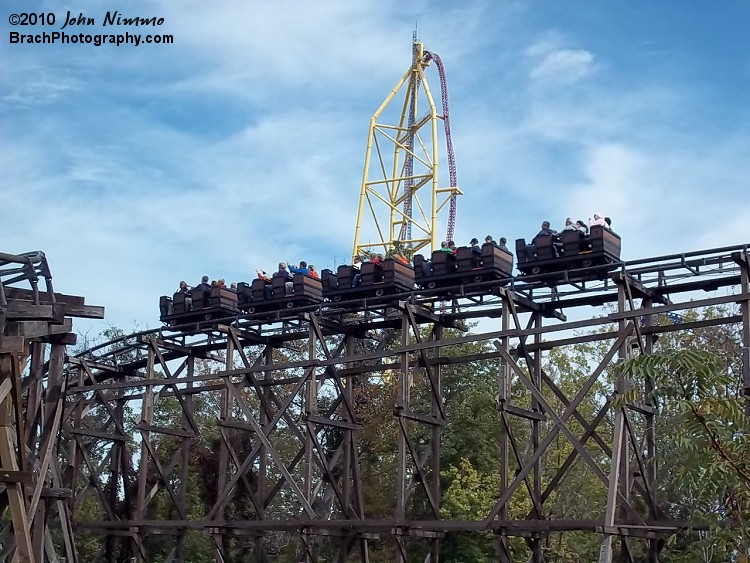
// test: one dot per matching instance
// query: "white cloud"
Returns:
(39, 86)
(564, 67)
(552, 62)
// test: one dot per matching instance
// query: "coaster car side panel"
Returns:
(467, 266)
(372, 280)
(572, 251)
(261, 295)
(198, 306)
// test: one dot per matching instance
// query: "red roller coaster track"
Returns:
(448, 141)
(406, 227)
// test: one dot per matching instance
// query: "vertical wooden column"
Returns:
(311, 409)
(37, 411)
(184, 492)
(35, 392)
(619, 447)
(59, 482)
(46, 455)
(146, 418)
(536, 543)
(307, 456)
(75, 455)
(437, 414)
(650, 431)
(226, 413)
(260, 553)
(402, 404)
(364, 551)
(10, 463)
(347, 461)
(504, 400)
(116, 458)
(744, 261)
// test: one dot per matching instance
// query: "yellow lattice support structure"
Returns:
(400, 178)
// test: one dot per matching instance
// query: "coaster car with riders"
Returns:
(577, 253)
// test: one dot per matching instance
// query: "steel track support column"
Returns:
(402, 404)
(147, 417)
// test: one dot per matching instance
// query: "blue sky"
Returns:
(242, 143)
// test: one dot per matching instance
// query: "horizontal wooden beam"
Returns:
(36, 329)
(508, 527)
(67, 339)
(237, 425)
(85, 311)
(16, 477)
(332, 422)
(13, 293)
(70, 305)
(27, 311)
(101, 435)
(162, 430)
(11, 345)
(56, 493)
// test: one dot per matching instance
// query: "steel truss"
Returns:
(283, 451)
(400, 177)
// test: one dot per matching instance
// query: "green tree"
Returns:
(708, 446)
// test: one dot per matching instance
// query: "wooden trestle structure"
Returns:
(287, 428)
(35, 328)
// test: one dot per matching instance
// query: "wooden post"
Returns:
(9, 461)
(402, 404)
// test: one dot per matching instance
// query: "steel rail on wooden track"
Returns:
(285, 444)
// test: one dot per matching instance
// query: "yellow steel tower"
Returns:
(400, 179)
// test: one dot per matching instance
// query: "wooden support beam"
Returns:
(36, 329)
(332, 422)
(23, 477)
(100, 435)
(17, 293)
(236, 424)
(168, 431)
(84, 311)
(16, 496)
(282, 403)
(70, 305)
(57, 493)
(26, 311)
(12, 345)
